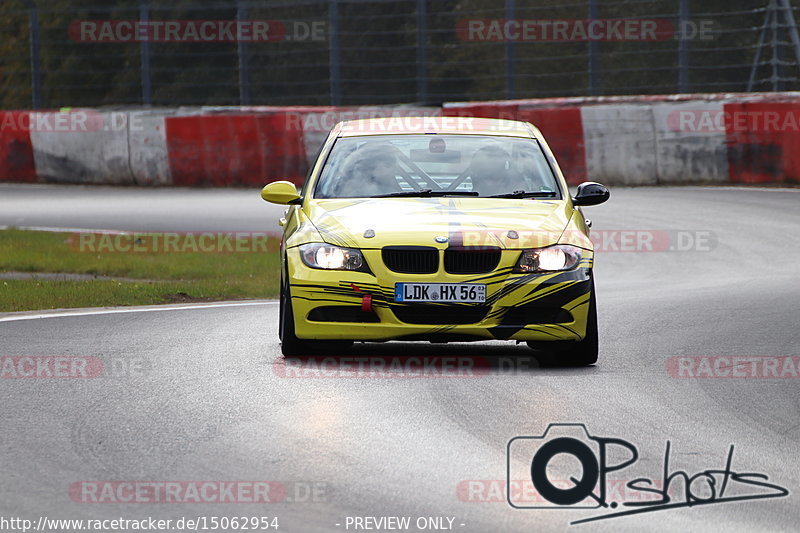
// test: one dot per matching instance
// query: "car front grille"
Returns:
(471, 261)
(439, 314)
(411, 259)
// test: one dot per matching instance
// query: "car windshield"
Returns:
(361, 167)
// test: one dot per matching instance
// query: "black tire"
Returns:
(579, 353)
(291, 346)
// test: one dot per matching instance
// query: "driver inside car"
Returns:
(492, 172)
(370, 170)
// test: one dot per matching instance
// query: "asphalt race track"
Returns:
(135, 209)
(198, 392)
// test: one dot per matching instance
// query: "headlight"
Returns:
(329, 257)
(550, 259)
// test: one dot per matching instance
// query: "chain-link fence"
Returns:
(56, 53)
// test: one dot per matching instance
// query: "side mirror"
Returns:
(280, 192)
(590, 193)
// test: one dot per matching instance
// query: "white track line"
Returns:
(73, 230)
(746, 189)
(129, 310)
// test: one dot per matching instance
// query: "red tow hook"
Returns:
(366, 300)
(366, 303)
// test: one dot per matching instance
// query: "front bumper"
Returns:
(524, 307)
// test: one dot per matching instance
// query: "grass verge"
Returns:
(239, 268)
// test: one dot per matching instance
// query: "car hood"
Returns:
(419, 221)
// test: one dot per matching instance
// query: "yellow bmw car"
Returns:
(445, 229)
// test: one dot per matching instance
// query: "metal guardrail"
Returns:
(343, 52)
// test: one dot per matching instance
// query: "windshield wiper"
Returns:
(426, 193)
(525, 194)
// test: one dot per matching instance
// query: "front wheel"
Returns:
(579, 353)
(291, 346)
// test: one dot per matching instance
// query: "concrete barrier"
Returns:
(16, 150)
(563, 129)
(631, 140)
(763, 140)
(149, 158)
(234, 149)
(84, 146)
(620, 144)
(675, 139)
(690, 142)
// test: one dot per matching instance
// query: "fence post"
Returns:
(762, 36)
(335, 67)
(593, 67)
(241, 50)
(683, 47)
(144, 50)
(36, 54)
(511, 60)
(791, 26)
(775, 61)
(422, 51)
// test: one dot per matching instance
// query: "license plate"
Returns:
(439, 292)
